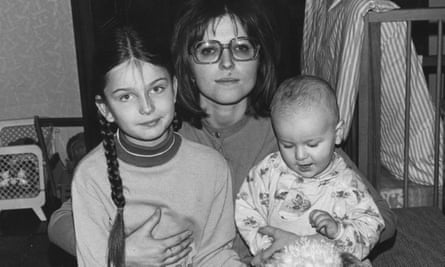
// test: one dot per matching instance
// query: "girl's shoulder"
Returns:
(92, 159)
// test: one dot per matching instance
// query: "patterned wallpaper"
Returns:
(38, 72)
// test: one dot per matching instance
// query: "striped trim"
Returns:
(147, 156)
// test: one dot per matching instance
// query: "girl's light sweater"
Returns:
(192, 188)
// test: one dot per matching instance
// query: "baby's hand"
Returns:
(279, 239)
(324, 224)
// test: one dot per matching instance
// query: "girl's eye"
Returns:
(158, 89)
(125, 97)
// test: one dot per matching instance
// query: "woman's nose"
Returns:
(226, 61)
(145, 105)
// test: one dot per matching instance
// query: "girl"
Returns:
(144, 170)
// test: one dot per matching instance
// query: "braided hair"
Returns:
(121, 45)
(116, 240)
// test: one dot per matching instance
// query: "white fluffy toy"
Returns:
(314, 253)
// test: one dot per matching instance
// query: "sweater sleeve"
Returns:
(61, 228)
(219, 232)
(359, 217)
(251, 208)
(91, 222)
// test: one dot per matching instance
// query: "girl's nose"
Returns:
(226, 61)
(145, 106)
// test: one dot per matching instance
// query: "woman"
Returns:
(224, 52)
(225, 94)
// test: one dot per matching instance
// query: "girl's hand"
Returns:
(280, 239)
(324, 223)
(142, 249)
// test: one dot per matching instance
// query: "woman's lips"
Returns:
(227, 80)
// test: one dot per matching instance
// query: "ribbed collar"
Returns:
(147, 156)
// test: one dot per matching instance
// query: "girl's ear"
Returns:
(175, 87)
(103, 109)
(339, 129)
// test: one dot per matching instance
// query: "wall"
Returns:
(38, 69)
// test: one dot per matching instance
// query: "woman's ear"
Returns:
(175, 87)
(339, 129)
(103, 109)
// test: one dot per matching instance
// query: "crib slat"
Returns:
(437, 115)
(375, 97)
(407, 115)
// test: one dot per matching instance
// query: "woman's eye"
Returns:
(242, 48)
(208, 51)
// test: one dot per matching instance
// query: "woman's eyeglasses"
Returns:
(210, 51)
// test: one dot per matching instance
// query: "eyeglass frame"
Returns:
(255, 44)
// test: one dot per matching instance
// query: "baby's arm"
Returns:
(387, 214)
(360, 222)
(252, 207)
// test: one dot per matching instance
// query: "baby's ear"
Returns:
(103, 109)
(339, 130)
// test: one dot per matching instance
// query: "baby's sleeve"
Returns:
(360, 220)
(252, 207)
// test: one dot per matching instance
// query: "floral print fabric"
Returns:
(274, 195)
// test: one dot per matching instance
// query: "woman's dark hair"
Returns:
(190, 28)
(117, 46)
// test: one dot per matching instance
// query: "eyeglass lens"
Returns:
(242, 49)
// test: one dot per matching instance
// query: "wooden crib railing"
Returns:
(369, 97)
(420, 237)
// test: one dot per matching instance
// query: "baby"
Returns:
(306, 188)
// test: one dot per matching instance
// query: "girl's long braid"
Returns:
(116, 240)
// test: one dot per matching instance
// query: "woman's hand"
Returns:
(323, 223)
(280, 239)
(142, 249)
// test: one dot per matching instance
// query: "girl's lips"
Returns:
(150, 123)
